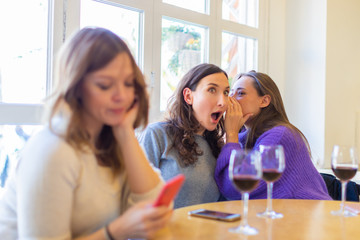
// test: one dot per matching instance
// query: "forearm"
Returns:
(98, 235)
(222, 172)
(141, 175)
(103, 235)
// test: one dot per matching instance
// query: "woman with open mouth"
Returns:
(190, 139)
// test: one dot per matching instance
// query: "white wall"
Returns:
(276, 38)
(319, 55)
(305, 69)
(342, 72)
(299, 28)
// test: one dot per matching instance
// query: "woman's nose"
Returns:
(119, 93)
(223, 100)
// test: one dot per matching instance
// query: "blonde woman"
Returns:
(84, 175)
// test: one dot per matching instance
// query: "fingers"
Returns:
(154, 213)
(127, 121)
(152, 220)
(160, 221)
(234, 106)
(156, 224)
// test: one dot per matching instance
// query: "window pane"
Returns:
(239, 54)
(124, 22)
(12, 140)
(182, 47)
(194, 5)
(23, 51)
(241, 11)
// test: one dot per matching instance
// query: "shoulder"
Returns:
(155, 135)
(47, 140)
(155, 130)
(157, 127)
(46, 148)
(279, 134)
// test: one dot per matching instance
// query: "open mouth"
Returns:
(216, 116)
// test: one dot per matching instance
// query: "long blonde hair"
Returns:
(91, 49)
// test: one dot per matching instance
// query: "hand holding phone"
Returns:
(169, 191)
(215, 215)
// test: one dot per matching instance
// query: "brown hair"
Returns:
(182, 123)
(272, 115)
(91, 49)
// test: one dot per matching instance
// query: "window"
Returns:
(183, 46)
(241, 11)
(198, 5)
(239, 54)
(23, 47)
(126, 23)
(25, 69)
(166, 37)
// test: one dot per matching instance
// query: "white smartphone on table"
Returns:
(215, 215)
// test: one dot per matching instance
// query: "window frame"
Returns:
(64, 19)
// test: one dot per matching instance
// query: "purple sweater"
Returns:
(300, 179)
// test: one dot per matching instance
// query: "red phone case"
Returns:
(169, 191)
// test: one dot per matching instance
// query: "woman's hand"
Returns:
(234, 120)
(130, 116)
(140, 221)
(125, 125)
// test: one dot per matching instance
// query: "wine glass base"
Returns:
(270, 214)
(244, 229)
(344, 213)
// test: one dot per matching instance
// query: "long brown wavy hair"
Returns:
(182, 123)
(89, 50)
(272, 115)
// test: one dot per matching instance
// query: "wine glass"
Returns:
(273, 165)
(245, 173)
(344, 163)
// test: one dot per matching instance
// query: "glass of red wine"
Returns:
(344, 163)
(245, 174)
(273, 165)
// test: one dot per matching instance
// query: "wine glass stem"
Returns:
(246, 200)
(269, 196)
(343, 191)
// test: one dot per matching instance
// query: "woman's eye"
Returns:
(212, 90)
(240, 93)
(103, 86)
(226, 93)
(129, 84)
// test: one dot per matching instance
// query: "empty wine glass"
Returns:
(344, 163)
(273, 165)
(245, 173)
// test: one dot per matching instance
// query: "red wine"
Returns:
(271, 175)
(344, 173)
(245, 183)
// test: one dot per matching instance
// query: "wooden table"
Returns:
(303, 219)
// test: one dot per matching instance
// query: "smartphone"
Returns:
(215, 215)
(169, 191)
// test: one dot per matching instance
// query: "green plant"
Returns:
(193, 42)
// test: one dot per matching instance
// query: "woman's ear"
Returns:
(188, 98)
(266, 99)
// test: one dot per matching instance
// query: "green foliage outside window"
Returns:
(181, 38)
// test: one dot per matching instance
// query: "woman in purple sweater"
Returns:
(257, 111)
